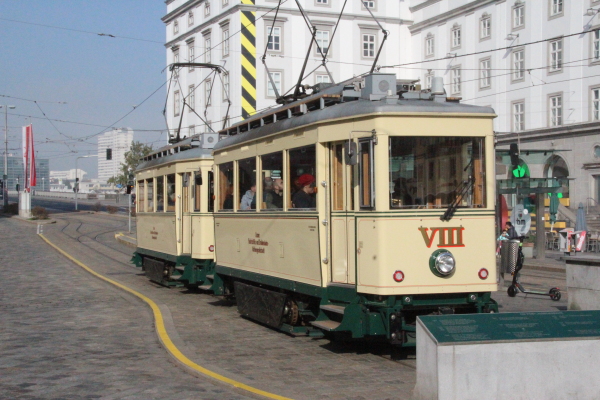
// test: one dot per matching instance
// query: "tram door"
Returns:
(183, 215)
(343, 264)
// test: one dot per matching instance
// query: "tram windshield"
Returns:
(430, 172)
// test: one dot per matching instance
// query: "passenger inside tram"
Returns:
(305, 197)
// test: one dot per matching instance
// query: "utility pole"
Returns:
(76, 188)
(5, 177)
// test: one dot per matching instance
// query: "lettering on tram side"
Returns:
(153, 233)
(256, 241)
(448, 236)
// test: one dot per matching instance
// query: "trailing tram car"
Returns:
(356, 209)
(175, 228)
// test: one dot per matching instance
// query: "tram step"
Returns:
(180, 268)
(205, 287)
(326, 325)
(333, 308)
(211, 277)
(175, 277)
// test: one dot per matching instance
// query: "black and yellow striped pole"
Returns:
(248, 61)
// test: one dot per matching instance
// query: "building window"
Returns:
(556, 7)
(429, 45)
(518, 58)
(485, 72)
(190, 18)
(456, 80)
(192, 130)
(276, 76)
(206, 8)
(191, 57)
(175, 60)
(556, 107)
(456, 36)
(595, 104)
(368, 4)
(274, 38)
(518, 116)
(322, 78)
(225, 3)
(368, 45)
(176, 100)
(429, 79)
(322, 38)
(175, 27)
(322, 2)
(556, 55)
(226, 42)
(225, 77)
(207, 92)
(518, 14)
(207, 50)
(596, 45)
(485, 27)
(191, 97)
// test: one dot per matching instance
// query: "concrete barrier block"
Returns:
(583, 283)
(472, 357)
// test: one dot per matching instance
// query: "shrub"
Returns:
(112, 209)
(39, 213)
(97, 207)
(13, 208)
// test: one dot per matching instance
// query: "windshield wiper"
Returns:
(461, 191)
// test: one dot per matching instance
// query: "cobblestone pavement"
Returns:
(83, 327)
(67, 335)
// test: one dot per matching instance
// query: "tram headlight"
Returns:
(442, 263)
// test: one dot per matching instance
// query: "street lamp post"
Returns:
(5, 177)
(76, 181)
(43, 184)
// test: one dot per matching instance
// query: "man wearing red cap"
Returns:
(305, 198)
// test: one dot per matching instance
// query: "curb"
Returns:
(126, 240)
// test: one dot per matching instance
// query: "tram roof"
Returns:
(331, 107)
(180, 151)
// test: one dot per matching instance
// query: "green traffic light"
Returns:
(519, 171)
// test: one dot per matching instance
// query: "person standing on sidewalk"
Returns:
(511, 231)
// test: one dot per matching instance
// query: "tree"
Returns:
(137, 151)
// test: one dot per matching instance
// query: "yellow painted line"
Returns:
(162, 332)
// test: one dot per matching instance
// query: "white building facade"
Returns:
(69, 174)
(119, 141)
(536, 62)
(234, 34)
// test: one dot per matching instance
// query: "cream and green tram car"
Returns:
(175, 228)
(371, 206)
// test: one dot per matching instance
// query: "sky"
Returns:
(72, 83)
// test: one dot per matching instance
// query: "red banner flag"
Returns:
(29, 158)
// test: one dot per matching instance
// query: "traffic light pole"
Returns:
(76, 188)
(129, 212)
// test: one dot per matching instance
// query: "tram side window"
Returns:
(171, 193)
(226, 186)
(366, 174)
(431, 172)
(211, 191)
(302, 171)
(160, 194)
(150, 194)
(140, 203)
(272, 181)
(185, 191)
(247, 184)
(197, 191)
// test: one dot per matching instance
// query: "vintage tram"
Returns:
(351, 211)
(175, 239)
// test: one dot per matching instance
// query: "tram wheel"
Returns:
(512, 291)
(291, 313)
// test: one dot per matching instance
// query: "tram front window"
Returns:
(430, 172)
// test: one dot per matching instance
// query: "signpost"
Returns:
(521, 220)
